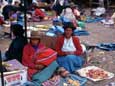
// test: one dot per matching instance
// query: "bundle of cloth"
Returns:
(106, 46)
(90, 19)
(81, 32)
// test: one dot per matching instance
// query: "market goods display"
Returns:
(95, 73)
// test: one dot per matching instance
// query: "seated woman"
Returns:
(32, 52)
(69, 50)
(39, 15)
(16, 47)
(67, 13)
(75, 11)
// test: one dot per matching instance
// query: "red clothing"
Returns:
(1, 21)
(60, 42)
(28, 60)
(39, 13)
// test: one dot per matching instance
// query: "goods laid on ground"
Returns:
(16, 74)
(95, 73)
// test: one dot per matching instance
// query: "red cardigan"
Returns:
(60, 42)
(27, 58)
(28, 53)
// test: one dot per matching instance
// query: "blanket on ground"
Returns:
(106, 46)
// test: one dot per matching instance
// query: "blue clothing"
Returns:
(93, 20)
(35, 47)
(55, 30)
(70, 62)
(81, 80)
(81, 33)
(106, 46)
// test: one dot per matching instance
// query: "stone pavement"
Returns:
(103, 59)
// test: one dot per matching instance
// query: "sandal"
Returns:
(63, 72)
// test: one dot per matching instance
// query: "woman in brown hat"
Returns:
(32, 51)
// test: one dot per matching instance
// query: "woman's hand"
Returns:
(69, 53)
(39, 66)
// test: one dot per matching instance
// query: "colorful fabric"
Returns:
(93, 20)
(28, 58)
(74, 77)
(81, 24)
(81, 33)
(55, 81)
(39, 13)
(46, 56)
(55, 30)
(64, 19)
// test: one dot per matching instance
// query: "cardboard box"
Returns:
(16, 76)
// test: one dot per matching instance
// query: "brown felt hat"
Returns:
(35, 35)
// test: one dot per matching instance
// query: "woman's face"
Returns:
(35, 41)
(68, 32)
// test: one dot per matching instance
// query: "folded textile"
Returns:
(55, 30)
(81, 33)
(106, 46)
(107, 21)
(81, 24)
(93, 20)
(51, 34)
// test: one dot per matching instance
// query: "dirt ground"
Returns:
(104, 59)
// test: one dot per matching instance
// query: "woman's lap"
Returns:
(70, 62)
(45, 74)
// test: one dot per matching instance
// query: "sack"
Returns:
(46, 56)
